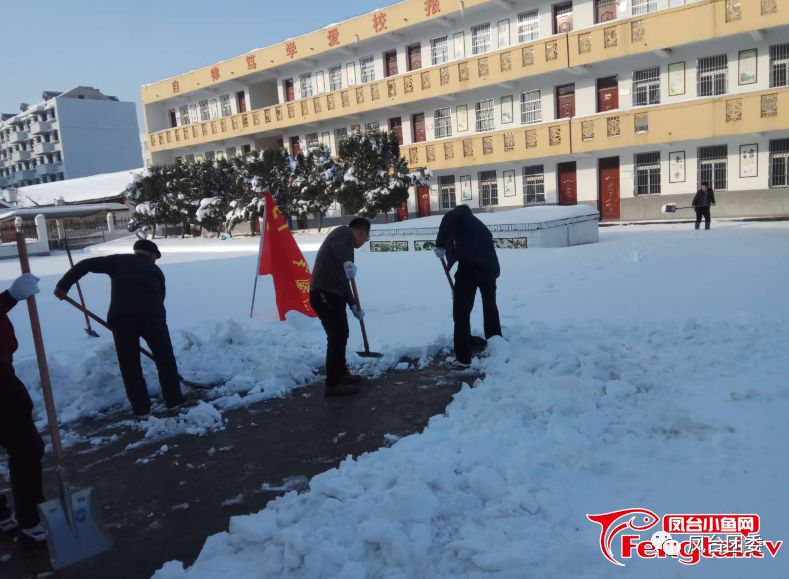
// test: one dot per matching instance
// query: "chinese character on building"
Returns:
(176, 86)
(334, 36)
(432, 7)
(379, 21)
(215, 73)
(290, 49)
(251, 64)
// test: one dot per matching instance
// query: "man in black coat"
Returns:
(18, 433)
(464, 239)
(136, 311)
(704, 198)
(330, 292)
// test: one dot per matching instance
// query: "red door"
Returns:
(605, 10)
(390, 62)
(241, 98)
(423, 199)
(565, 101)
(608, 198)
(607, 94)
(568, 184)
(295, 146)
(414, 56)
(418, 128)
(396, 125)
(402, 211)
(563, 18)
(289, 93)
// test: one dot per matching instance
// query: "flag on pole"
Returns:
(281, 258)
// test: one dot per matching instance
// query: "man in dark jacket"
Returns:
(465, 239)
(136, 311)
(18, 433)
(704, 198)
(330, 292)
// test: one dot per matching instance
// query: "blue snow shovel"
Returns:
(74, 527)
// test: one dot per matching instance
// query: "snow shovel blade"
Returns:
(669, 208)
(368, 354)
(80, 539)
(91, 332)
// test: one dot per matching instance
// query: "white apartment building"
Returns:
(621, 104)
(73, 134)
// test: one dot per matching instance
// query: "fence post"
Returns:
(41, 229)
(110, 221)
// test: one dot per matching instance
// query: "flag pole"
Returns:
(262, 225)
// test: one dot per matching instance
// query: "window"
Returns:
(531, 107)
(339, 135)
(439, 50)
(189, 159)
(224, 101)
(246, 149)
(779, 163)
(305, 85)
(350, 71)
(312, 141)
(713, 166)
(643, 6)
(712, 75)
(488, 188)
(480, 39)
(193, 115)
(367, 67)
(647, 173)
(209, 155)
(335, 77)
(779, 65)
(442, 123)
(184, 110)
(371, 127)
(533, 185)
(446, 191)
(213, 108)
(204, 114)
(484, 112)
(646, 87)
(528, 26)
(231, 152)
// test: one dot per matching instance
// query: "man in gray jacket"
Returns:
(330, 292)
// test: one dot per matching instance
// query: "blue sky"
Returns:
(119, 45)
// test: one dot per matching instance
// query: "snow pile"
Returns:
(198, 421)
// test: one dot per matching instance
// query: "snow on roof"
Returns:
(60, 211)
(82, 190)
(524, 215)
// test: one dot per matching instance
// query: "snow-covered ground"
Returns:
(649, 370)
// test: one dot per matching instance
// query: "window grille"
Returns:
(446, 189)
(484, 112)
(531, 107)
(533, 185)
(646, 87)
(643, 6)
(439, 50)
(335, 78)
(779, 65)
(779, 163)
(528, 26)
(647, 173)
(367, 66)
(712, 166)
(442, 121)
(712, 75)
(480, 39)
(489, 189)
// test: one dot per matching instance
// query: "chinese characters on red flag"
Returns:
(281, 258)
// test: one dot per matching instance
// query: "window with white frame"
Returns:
(713, 166)
(446, 191)
(194, 115)
(442, 123)
(305, 85)
(712, 75)
(213, 108)
(371, 127)
(312, 141)
(480, 39)
(643, 6)
(533, 184)
(488, 188)
(779, 163)
(531, 107)
(184, 110)
(528, 26)
(224, 102)
(647, 173)
(779, 65)
(367, 68)
(484, 114)
(439, 50)
(204, 114)
(335, 77)
(646, 87)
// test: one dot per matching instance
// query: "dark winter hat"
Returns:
(147, 245)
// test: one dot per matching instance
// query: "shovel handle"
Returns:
(79, 289)
(449, 277)
(361, 322)
(41, 356)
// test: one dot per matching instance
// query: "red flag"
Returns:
(282, 258)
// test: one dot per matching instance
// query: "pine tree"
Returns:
(321, 180)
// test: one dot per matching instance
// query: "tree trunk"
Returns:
(386, 216)
(154, 232)
(183, 229)
(320, 222)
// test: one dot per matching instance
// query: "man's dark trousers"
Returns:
(705, 213)
(468, 278)
(127, 331)
(331, 311)
(24, 446)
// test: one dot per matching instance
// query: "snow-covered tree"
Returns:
(320, 182)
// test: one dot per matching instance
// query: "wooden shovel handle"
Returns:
(79, 289)
(361, 322)
(41, 356)
(449, 277)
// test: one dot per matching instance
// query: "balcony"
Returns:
(43, 148)
(17, 137)
(19, 156)
(40, 128)
(21, 176)
(49, 169)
